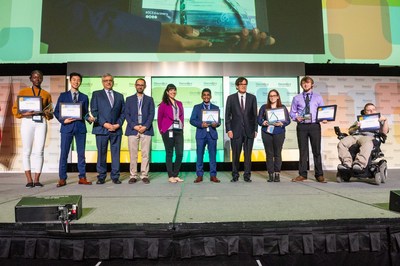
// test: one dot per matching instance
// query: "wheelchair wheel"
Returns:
(383, 171)
(378, 179)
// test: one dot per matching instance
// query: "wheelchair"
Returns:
(377, 165)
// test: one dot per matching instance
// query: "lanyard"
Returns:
(33, 91)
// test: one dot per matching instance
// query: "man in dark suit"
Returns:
(206, 134)
(241, 127)
(72, 127)
(108, 114)
(139, 114)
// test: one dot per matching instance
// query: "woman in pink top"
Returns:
(170, 125)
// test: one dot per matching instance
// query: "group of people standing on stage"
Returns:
(109, 110)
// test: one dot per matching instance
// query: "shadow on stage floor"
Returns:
(274, 223)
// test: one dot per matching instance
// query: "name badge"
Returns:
(37, 118)
(176, 124)
(170, 134)
(307, 118)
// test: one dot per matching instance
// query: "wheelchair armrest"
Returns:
(381, 137)
(339, 133)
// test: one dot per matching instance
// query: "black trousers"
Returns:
(310, 132)
(237, 144)
(170, 143)
(273, 144)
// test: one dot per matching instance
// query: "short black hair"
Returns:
(74, 74)
(205, 90)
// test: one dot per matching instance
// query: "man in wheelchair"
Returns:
(365, 143)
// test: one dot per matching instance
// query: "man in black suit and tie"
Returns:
(108, 114)
(241, 127)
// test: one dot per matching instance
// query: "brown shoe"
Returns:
(198, 179)
(299, 179)
(146, 180)
(61, 183)
(214, 179)
(132, 180)
(83, 181)
(321, 179)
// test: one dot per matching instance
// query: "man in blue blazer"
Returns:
(108, 114)
(241, 126)
(72, 127)
(206, 134)
(139, 114)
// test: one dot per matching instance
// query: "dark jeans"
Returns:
(170, 143)
(273, 149)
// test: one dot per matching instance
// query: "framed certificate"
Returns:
(276, 115)
(327, 112)
(71, 110)
(369, 122)
(210, 116)
(29, 104)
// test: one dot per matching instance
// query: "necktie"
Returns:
(242, 104)
(75, 97)
(207, 106)
(111, 98)
(307, 100)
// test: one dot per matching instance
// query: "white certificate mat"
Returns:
(369, 122)
(275, 115)
(29, 104)
(327, 112)
(71, 110)
(210, 116)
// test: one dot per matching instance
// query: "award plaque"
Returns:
(369, 122)
(210, 116)
(71, 110)
(29, 104)
(327, 112)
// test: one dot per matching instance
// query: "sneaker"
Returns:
(357, 168)
(172, 180)
(343, 167)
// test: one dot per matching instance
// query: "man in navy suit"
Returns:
(241, 126)
(206, 134)
(139, 114)
(108, 114)
(73, 127)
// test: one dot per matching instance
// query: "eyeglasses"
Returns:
(243, 84)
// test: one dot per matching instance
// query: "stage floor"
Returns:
(163, 203)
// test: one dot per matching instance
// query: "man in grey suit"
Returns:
(241, 127)
(108, 114)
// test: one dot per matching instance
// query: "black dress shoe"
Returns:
(116, 181)
(29, 185)
(38, 184)
(100, 182)
(247, 179)
(234, 179)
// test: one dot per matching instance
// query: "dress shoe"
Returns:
(277, 177)
(234, 179)
(357, 168)
(61, 183)
(214, 179)
(270, 177)
(116, 181)
(132, 180)
(38, 184)
(198, 179)
(83, 181)
(146, 180)
(178, 179)
(321, 179)
(29, 185)
(247, 179)
(299, 179)
(172, 180)
(100, 182)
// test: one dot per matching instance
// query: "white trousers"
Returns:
(33, 136)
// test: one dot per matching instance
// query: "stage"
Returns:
(286, 222)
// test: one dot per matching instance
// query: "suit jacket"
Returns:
(241, 123)
(196, 121)
(66, 97)
(165, 116)
(101, 109)
(131, 114)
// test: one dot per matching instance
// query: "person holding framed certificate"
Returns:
(71, 108)
(33, 126)
(364, 138)
(304, 111)
(273, 117)
(205, 117)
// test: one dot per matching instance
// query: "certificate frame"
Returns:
(210, 116)
(326, 112)
(71, 110)
(369, 122)
(29, 104)
(275, 115)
